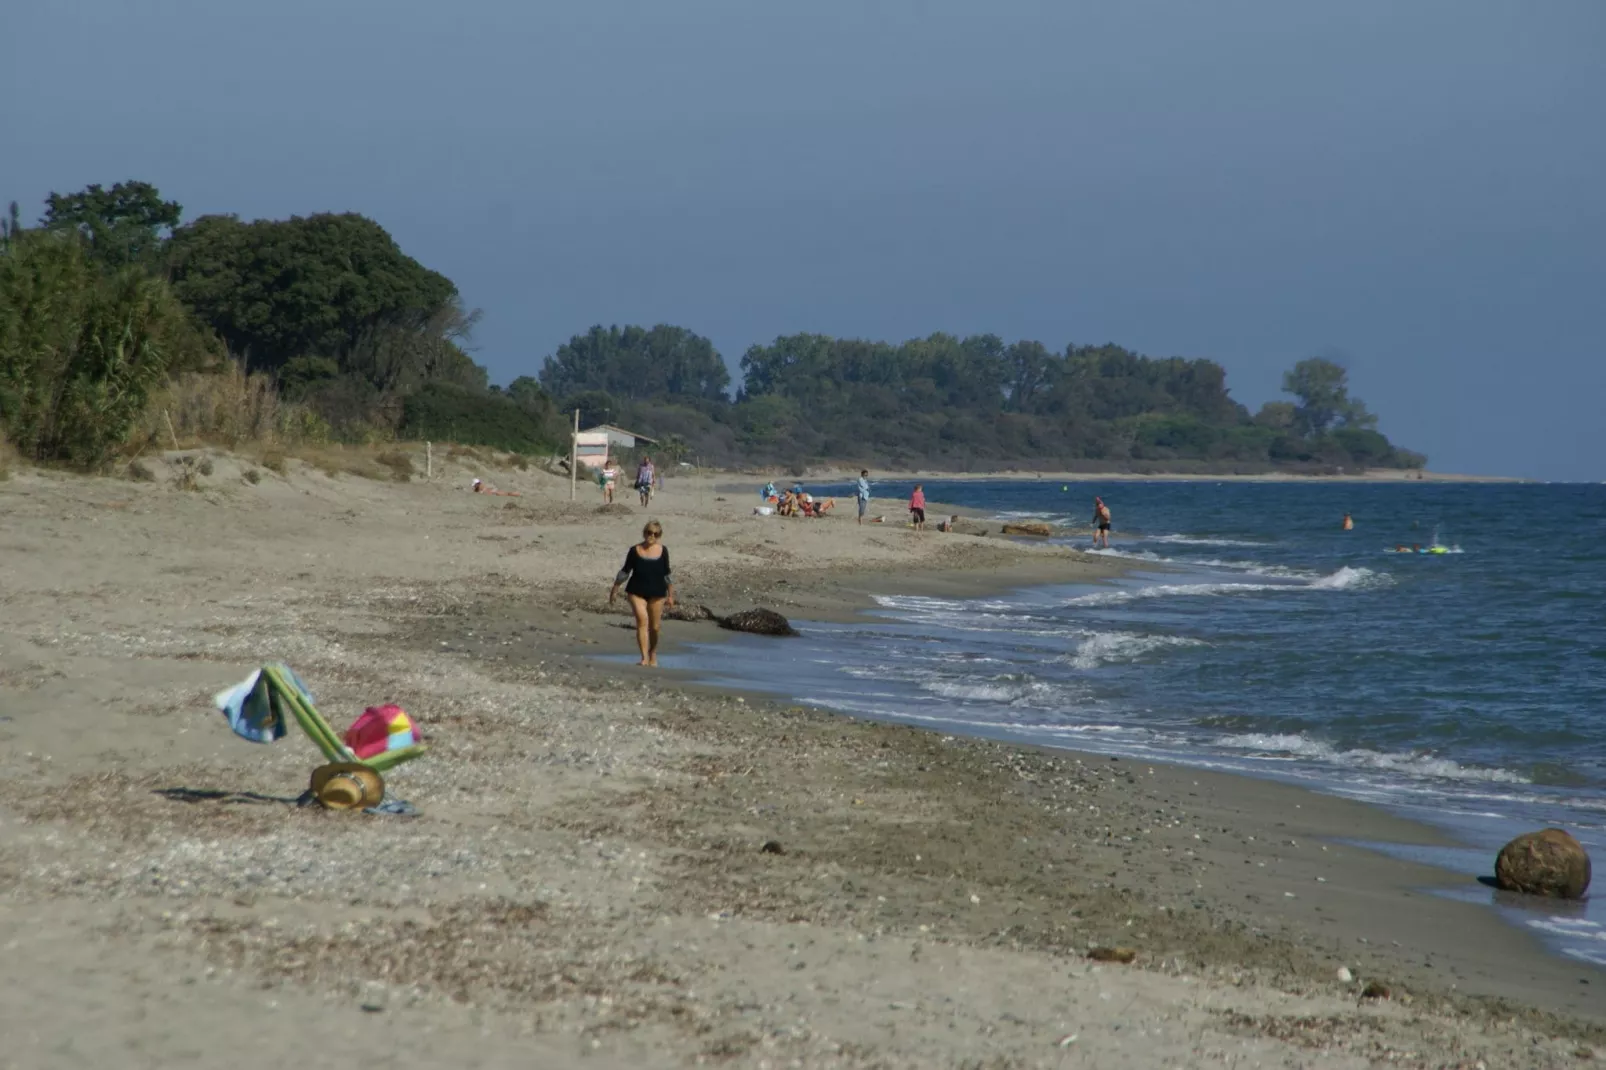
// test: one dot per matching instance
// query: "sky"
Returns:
(1418, 188)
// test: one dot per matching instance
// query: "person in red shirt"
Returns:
(917, 508)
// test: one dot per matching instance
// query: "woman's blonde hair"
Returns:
(652, 528)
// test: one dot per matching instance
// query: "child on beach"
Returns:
(608, 477)
(917, 507)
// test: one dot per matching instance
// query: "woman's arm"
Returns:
(624, 574)
(669, 581)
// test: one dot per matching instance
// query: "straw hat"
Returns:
(347, 786)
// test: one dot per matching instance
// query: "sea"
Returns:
(1253, 634)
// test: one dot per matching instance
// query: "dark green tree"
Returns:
(1322, 388)
(124, 226)
(323, 285)
(637, 362)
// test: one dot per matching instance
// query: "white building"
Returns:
(619, 437)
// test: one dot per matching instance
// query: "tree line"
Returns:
(110, 302)
(112, 306)
(960, 403)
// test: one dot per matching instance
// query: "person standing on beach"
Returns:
(644, 480)
(609, 476)
(647, 583)
(1101, 523)
(862, 492)
(917, 507)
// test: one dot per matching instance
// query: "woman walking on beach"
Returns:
(646, 580)
(917, 507)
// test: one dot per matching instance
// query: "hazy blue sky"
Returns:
(1420, 186)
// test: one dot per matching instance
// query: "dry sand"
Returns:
(588, 884)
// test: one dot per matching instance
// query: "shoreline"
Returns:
(818, 473)
(1432, 908)
(590, 874)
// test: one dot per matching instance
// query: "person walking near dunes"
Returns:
(1101, 523)
(644, 480)
(647, 583)
(917, 507)
(861, 491)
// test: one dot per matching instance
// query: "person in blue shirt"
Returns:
(862, 492)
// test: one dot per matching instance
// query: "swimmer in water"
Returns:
(1349, 524)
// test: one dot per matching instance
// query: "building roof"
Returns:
(622, 431)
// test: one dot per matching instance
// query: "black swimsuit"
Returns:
(649, 576)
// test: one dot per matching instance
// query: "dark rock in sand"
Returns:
(1029, 527)
(1549, 862)
(759, 622)
(773, 847)
(693, 613)
(1112, 954)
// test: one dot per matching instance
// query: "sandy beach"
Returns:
(619, 867)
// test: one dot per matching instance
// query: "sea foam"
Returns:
(1289, 746)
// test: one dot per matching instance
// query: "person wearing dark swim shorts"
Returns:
(1101, 523)
(647, 582)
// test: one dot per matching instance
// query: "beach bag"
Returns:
(379, 729)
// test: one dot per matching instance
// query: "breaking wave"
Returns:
(1288, 747)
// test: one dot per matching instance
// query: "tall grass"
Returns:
(229, 407)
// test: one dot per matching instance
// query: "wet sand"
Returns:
(621, 865)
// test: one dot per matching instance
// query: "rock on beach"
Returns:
(758, 622)
(1549, 863)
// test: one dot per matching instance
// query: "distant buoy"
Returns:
(1064, 488)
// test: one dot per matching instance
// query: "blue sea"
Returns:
(1254, 634)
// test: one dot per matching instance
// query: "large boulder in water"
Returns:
(1549, 863)
(1028, 527)
(759, 622)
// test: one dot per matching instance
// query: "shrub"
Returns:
(273, 461)
(399, 463)
(446, 412)
(140, 472)
(252, 476)
(81, 350)
(205, 467)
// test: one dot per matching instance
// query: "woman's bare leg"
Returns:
(638, 606)
(655, 616)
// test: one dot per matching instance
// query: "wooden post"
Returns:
(429, 460)
(574, 455)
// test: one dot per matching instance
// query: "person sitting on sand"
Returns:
(647, 583)
(482, 487)
(769, 493)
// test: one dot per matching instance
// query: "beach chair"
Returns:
(289, 701)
